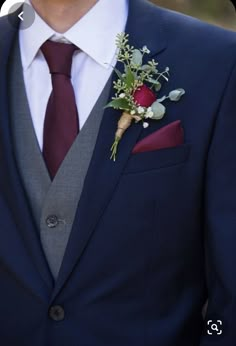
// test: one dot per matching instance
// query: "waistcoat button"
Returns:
(52, 221)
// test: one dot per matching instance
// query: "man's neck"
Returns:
(61, 15)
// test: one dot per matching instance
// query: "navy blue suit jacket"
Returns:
(155, 233)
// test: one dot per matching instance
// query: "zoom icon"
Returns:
(214, 327)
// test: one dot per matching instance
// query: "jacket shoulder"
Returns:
(182, 27)
(4, 23)
(5, 27)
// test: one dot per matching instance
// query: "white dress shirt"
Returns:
(95, 35)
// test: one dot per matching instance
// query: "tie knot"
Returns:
(59, 57)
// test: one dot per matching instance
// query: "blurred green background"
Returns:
(220, 12)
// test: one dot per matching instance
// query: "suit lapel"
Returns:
(103, 174)
(20, 244)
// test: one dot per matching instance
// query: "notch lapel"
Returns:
(104, 174)
(20, 246)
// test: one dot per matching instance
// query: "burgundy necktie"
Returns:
(61, 124)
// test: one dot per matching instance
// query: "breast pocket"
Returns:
(154, 160)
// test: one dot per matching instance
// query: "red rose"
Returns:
(144, 96)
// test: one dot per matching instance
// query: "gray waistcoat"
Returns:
(53, 204)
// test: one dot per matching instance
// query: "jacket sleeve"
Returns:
(220, 223)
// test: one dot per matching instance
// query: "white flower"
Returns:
(145, 50)
(132, 112)
(140, 110)
(122, 96)
(145, 125)
(149, 114)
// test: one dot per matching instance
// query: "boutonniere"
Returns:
(137, 88)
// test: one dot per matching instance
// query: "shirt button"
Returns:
(52, 221)
(56, 313)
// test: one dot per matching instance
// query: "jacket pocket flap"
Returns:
(152, 160)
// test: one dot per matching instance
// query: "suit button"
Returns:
(52, 221)
(57, 313)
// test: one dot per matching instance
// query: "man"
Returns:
(95, 252)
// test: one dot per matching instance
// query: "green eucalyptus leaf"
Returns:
(176, 95)
(158, 86)
(153, 81)
(137, 58)
(146, 68)
(158, 110)
(119, 74)
(118, 104)
(129, 78)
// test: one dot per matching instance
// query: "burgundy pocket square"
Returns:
(168, 136)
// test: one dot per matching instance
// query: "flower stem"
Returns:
(123, 124)
(114, 148)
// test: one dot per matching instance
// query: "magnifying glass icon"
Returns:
(214, 327)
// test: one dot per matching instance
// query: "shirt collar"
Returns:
(95, 33)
